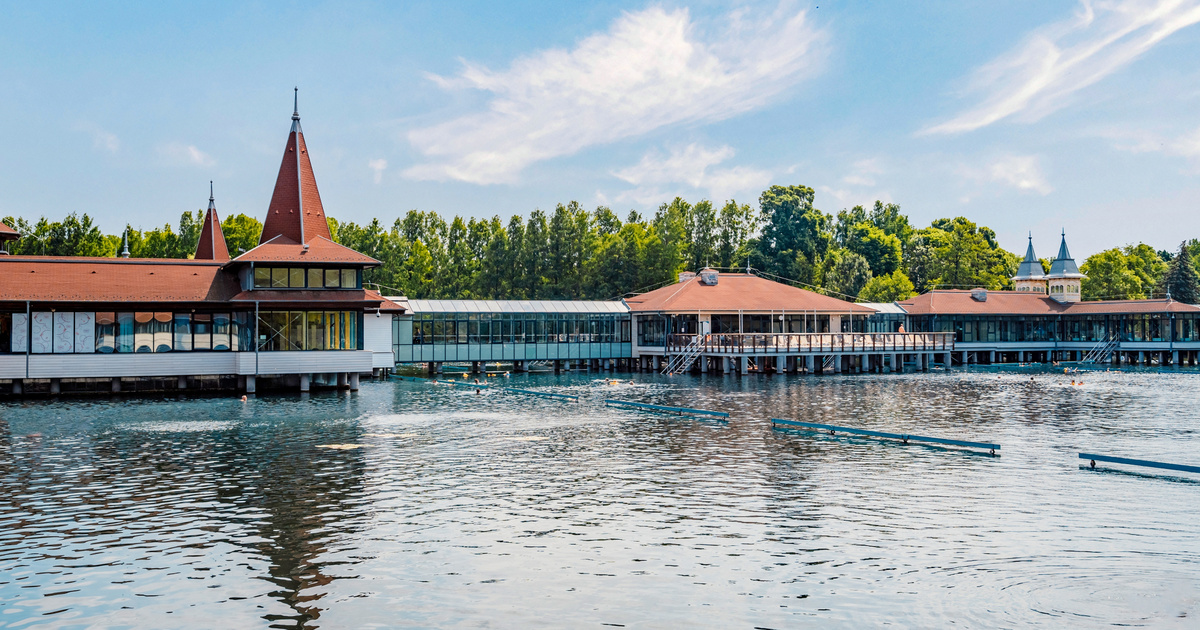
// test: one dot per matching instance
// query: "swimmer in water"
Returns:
(243, 398)
(477, 390)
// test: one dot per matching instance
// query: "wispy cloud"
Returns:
(180, 153)
(655, 176)
(1023, 172)
(652, 68)
(101, 140)
(1041, 74)
(379, 166)
(1186, 145)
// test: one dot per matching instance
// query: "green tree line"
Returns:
(868, 254)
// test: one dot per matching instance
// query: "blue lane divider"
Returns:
(895, 436)
(1137, 462)
(533, 393)
(675, 410)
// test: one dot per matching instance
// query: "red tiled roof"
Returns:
(960, 302)
(132, 280)
(319, 250)
(7, 233)
(738, 291)
(295, 211)
(211, 245)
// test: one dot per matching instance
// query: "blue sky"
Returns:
(1021, 115)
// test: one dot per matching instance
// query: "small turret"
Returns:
(1064, 279)
(1029, 276)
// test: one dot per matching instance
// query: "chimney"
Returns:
(684, 276)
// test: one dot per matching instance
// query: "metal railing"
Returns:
(789, 343)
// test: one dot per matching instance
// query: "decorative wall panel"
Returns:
(85, 332)
(20, 332)
(64, 333)
(41, 334)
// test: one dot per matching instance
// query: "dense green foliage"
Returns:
(870, 254)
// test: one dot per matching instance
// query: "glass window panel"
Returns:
(316, 331)
(183, 332)
(5, 332)
(316, 278)
(202, 331)
(351, 331)
(332, 278)
(124, 332)
(163, 341)
(296, 278)
(106, 332)
(143, 332)
(279, 277)
(349, 279)
(262, 277)
(295, 328)
(220, 338)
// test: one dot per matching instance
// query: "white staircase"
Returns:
(682, 362)
(1101, 352)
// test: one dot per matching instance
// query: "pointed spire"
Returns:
(295, 212)
(1031, 267)
(125, 243)
(1063, 265)
(211, 245)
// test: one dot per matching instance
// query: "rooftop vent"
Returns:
(684, 276)
(979, 295)
(708, 276)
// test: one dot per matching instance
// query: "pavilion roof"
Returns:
(961, 302)
(318, 250)
(113, 280)
(739, 292)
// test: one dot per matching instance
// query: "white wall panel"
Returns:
(315, 361)
(64, 332)
(12, 365)
(20, 332)
(141, 364)
(41, 335)
(85, 332)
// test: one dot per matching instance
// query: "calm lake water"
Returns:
(501, 510)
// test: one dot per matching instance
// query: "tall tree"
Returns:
(882, 250)
(795, 235)
(846, 273)
(1181, 281)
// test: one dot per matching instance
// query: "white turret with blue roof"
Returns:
(1030, 277)
(1064, 278)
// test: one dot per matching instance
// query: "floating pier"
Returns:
(1137, 462)
(413, 379)
(903, 437)
(681, 411)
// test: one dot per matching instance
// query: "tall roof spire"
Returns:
(211, 245)
(1063, 265)
(1031, 267)
(295, 212)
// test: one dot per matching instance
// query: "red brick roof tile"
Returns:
(960, 302)
(319, 250)
(295, 211)
(109, 280)
(739, 291)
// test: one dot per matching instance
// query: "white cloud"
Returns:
(180, 153)
(1186, 145)
(379, 166)
(651, 69)
(1041, 74)
(1022, 172)
(101, 140)
(655, 175)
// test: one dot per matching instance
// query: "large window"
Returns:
(514, 328)
(308, 330)
(305, 278)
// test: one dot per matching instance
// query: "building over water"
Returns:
(292, 310)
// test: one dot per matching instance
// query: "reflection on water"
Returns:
(414, 505)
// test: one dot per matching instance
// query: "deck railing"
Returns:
(788, 343)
